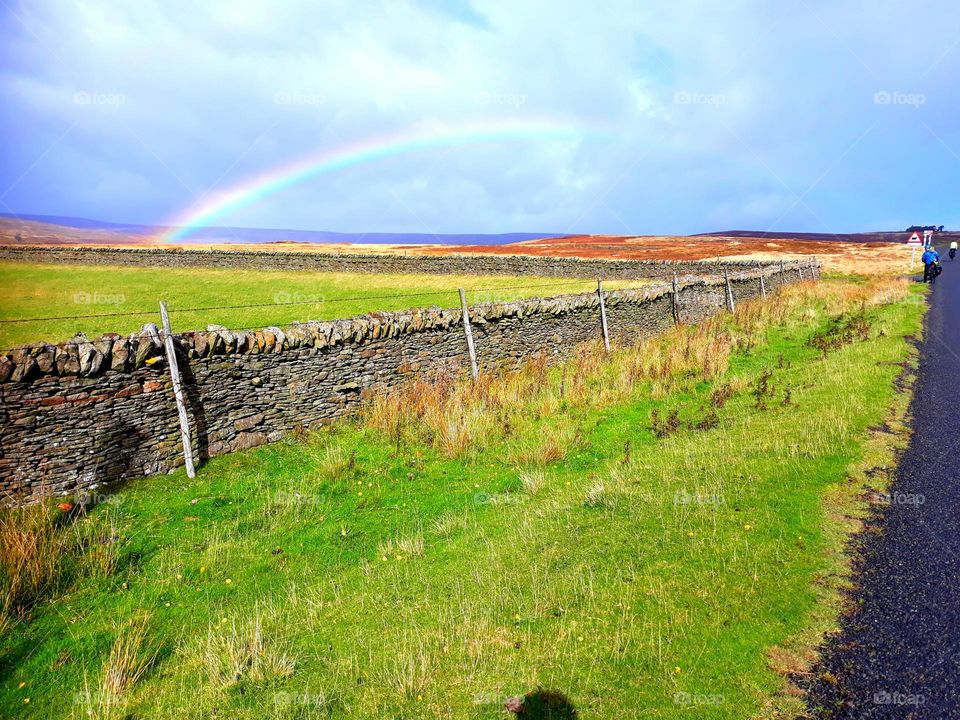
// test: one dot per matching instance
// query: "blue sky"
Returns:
(807, 115)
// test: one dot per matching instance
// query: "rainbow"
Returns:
(327, 160)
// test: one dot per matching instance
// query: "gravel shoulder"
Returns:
(897, 654)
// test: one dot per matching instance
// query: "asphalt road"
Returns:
(898, 654)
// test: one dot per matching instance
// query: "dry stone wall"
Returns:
(92, 412)
(480, 264)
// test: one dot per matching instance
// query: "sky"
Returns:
(677, 116)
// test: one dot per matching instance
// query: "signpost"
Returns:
(914, 241)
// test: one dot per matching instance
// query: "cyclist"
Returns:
(953, 249)
(931, 264)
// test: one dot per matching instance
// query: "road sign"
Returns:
(914, 239)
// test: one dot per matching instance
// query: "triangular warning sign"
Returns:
(914, 239)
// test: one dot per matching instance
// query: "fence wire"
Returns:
(247, 306)
(320, 301)
(315, 302)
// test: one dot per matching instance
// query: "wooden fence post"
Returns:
(675, 305)
(781, 275)
(763, 287)
(474, 370)
(726, 278)
(177, 390)
(603, 316)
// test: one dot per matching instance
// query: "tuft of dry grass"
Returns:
(544, 449)
(333, 463)
(532, 481)
(235, 652)
(598, 495)
(129, 658)
(407, 546)
(32, 548)
(449, 522)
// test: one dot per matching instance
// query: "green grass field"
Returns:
(37, 291)
(637, 533)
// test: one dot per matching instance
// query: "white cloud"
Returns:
(717, 114)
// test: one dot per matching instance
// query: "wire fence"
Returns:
(175, 311)
(313, 302)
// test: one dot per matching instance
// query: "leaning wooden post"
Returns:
(177, 390)
(474, 370)
(781, 275)
(726, 279)
(763, 287)
(674, 302)
(603, 316)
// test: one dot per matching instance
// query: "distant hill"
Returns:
(898, 236)
(267, 235)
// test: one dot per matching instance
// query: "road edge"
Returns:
(852, 510)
